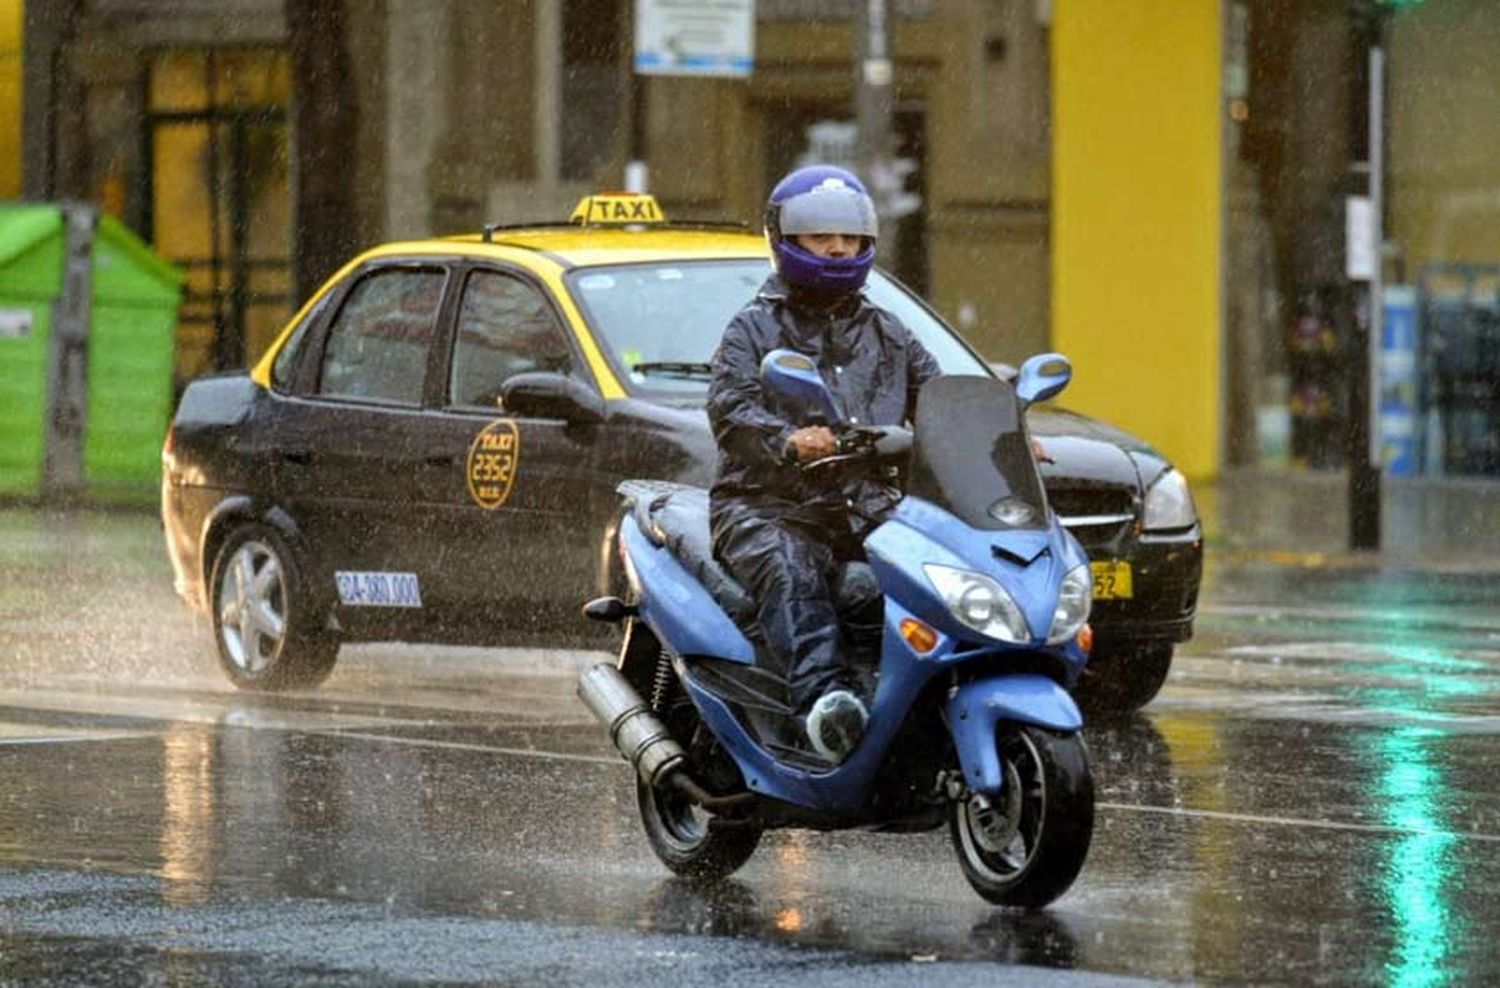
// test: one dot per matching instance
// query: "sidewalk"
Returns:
(1301, 517)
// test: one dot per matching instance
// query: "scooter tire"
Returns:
(1027, 848)
(687, 840)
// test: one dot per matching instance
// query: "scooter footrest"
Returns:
(746, 686)
(798, 757)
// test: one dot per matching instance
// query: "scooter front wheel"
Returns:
(1025, 846)
(683, 837)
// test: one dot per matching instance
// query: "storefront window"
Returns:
(1298, 132)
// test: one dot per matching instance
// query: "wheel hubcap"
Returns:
(252, 607)
(999, 837)
(996, 826)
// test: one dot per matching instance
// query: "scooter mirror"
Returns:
(1043, 376)
(795, 376)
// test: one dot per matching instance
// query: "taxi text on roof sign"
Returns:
(616, 208)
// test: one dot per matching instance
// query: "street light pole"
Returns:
(1365, 446)
(873, 75)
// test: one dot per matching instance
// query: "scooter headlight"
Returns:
(1073, 603)
(978, 602)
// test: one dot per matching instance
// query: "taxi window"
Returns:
(505, 327)
(377, 345)
(284, 369)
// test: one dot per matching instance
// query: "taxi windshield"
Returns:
(659, 323)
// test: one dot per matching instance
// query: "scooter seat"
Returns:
(676, 516)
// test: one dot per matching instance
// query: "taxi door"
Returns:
(347, 438)
(508, 492)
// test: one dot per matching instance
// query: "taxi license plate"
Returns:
(1112, 580)
(378, 589)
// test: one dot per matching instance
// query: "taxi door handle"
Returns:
(302, 456)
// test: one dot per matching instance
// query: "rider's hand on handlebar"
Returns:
(812, 442)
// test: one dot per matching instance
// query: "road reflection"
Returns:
(1421, 866)
(1233, 847)
(189, 812)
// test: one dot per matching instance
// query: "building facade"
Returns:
(177, 115)
(1152, 186)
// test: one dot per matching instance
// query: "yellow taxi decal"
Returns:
(613, 208)
(494, 456)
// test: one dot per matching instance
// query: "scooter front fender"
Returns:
(978, 707)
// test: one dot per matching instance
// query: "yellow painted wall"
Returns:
(10, 98)
(1136, 218)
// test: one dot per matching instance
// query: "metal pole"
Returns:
(1365, 457)
(1377, 235)
(637, 169)
(872, 93)
(68, 377)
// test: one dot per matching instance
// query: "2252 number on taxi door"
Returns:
(1112, 580)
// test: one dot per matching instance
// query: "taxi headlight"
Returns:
(978, 602)
(1073, 603)
(1169, 503)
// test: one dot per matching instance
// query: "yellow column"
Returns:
(11, 19)
(1137, 218)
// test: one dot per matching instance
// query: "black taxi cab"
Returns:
(430, 450)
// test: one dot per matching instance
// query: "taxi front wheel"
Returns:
(1122, 678)
(261, 623)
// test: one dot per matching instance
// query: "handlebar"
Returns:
(866, 443)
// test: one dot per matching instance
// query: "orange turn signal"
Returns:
(1086, 639)
(921, 638)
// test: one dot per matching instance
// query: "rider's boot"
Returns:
(836, 722)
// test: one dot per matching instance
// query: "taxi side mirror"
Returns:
(544, 395)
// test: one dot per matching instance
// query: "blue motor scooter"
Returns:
(966, 621)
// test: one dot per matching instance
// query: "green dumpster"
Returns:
(132, 331)
(31, 261)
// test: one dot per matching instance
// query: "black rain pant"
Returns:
(790, 570)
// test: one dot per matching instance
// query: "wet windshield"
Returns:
(659, 323)
(972, 455)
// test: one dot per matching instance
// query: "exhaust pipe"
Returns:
(639, 735)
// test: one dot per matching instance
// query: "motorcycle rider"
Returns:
(780, 532)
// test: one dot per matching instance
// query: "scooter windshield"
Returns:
(971, 455)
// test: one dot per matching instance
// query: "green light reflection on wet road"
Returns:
(1420, 865)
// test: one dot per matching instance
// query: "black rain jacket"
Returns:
(868, 358)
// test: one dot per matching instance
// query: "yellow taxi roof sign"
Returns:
(616, 209)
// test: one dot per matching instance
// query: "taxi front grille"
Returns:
(1097, 516)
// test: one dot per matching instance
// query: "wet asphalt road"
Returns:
(1313, 799)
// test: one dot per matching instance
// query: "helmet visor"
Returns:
(829, 209)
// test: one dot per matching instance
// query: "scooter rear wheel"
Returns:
(1025, 847)
(684, 839)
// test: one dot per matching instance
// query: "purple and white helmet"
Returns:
(821, 199)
